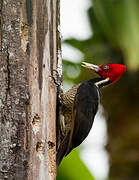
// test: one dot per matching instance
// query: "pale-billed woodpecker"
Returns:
(79, 105)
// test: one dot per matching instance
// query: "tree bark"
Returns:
(28, 57)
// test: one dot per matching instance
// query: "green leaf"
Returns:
(72, 168)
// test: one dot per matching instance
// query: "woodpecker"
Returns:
(79, 105)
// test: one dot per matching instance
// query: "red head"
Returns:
(110, 71)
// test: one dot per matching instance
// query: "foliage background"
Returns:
(115, 38)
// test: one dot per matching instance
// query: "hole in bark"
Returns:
(50, 144)
(28, 49)
(39, 146)
(36, 119)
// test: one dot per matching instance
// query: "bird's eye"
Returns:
(105, 67)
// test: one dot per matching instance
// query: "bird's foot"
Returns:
(57, 80)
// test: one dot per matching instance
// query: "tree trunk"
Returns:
(28, 58)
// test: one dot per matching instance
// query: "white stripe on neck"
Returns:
(102, 82)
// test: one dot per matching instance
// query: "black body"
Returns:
(84, 110)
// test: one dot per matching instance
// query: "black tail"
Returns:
(62, 150)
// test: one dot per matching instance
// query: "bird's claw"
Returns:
(58, 84)
(58, 81)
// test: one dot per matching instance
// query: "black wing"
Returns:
(84, 111)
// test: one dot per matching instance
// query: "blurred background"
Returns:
(101, 31)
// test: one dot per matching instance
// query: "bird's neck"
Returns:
(100, 82)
